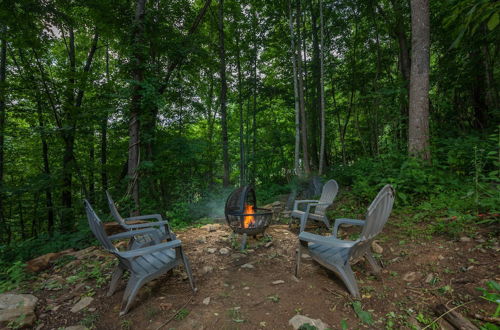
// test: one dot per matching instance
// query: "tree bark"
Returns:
(3, 73)
(295, 93)
(223, 95)
(104, 133)
(240, 104)
(135, 104)
(418, 132)
(322, 92)
(307, 168)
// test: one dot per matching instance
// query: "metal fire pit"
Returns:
(236, 212)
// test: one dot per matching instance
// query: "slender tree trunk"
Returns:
(254, 99)
(211, 114)
(418, 133)
(104, 132)
(46, 170)
(240, 104)
(307, 169)
(21, 216)
(295, 93)
(322, 92)
(223, 95)
(92, 168)
(3, 73)
(135, 106)
(34, 221)
(315, 108)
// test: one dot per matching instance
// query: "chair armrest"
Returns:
(305, 215)
(340, 221)
(325, 240)
(145, 217)
(150, 249)
(132, 233)
(149, 224)
(297, 202)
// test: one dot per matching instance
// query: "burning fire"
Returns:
(249, 220)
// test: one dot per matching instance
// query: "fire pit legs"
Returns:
(244, 242)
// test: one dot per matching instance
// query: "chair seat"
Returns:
(154, 261)
(298, 214)
(330, 255)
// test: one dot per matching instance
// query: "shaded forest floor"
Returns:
(420, 272)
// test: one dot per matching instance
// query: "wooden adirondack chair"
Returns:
(141, 240)
(144, 264)
(335, 254)
(316, 209)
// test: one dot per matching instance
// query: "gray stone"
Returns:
(248, 266)
(211, 250)
(83, 303)
(17, 308)
(238, 256)
(201, 239)
(299, 320)
(305, 256)
(268, 244)
(207, 269)
(224, 251)
(376, 248)
(410, 276)
(206, 301)
(465, 239)
(278, 282)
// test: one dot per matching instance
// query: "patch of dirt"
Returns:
(246, 298)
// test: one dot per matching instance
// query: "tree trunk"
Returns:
(254, 99)
(295, 93)
(135, 106)
(3, 71)
(322, 92)
(240, 104)
(46, 170)
(104, 133)
(307, 169)
(223, 95)
(418, 133)
(315, 108)
(91, 168)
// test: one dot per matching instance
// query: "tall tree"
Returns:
(3, 89)
(322, 92)
(223, 95)
(138, 58)
(296, 162)
(418, 131)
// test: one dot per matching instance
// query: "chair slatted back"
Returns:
(376, 216)
(328, 194)
(114, 211)
(97, 228)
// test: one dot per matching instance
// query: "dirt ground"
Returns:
(417, 275)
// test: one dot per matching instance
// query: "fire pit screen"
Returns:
(243, 215)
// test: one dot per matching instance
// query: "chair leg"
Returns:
(115, 278)
(347, 276)
(373, 263)
(303, 222)
(188, 271)
(133, 286)
(327, 222)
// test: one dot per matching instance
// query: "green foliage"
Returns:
(11, 277)
(182, 314)
(363, 315)
(492, 294)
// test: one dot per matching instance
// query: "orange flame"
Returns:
(249, 220)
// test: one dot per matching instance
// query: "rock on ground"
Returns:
(81, 304)
(43, 262)
(376, 248)
(18, 308)
(298, 320)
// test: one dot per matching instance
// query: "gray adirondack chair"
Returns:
(141, 240)
(316, 209)
(144, 264)
(335, 254)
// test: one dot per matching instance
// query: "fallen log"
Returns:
(454, 318)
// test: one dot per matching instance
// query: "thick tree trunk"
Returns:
(322, 92)
(295, 93)
(135, 106)
(418, 133)
(223, 95)
(3, 72)
(307, 169)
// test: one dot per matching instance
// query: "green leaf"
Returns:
(364, 316)
(343, 324)
(493, 21)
